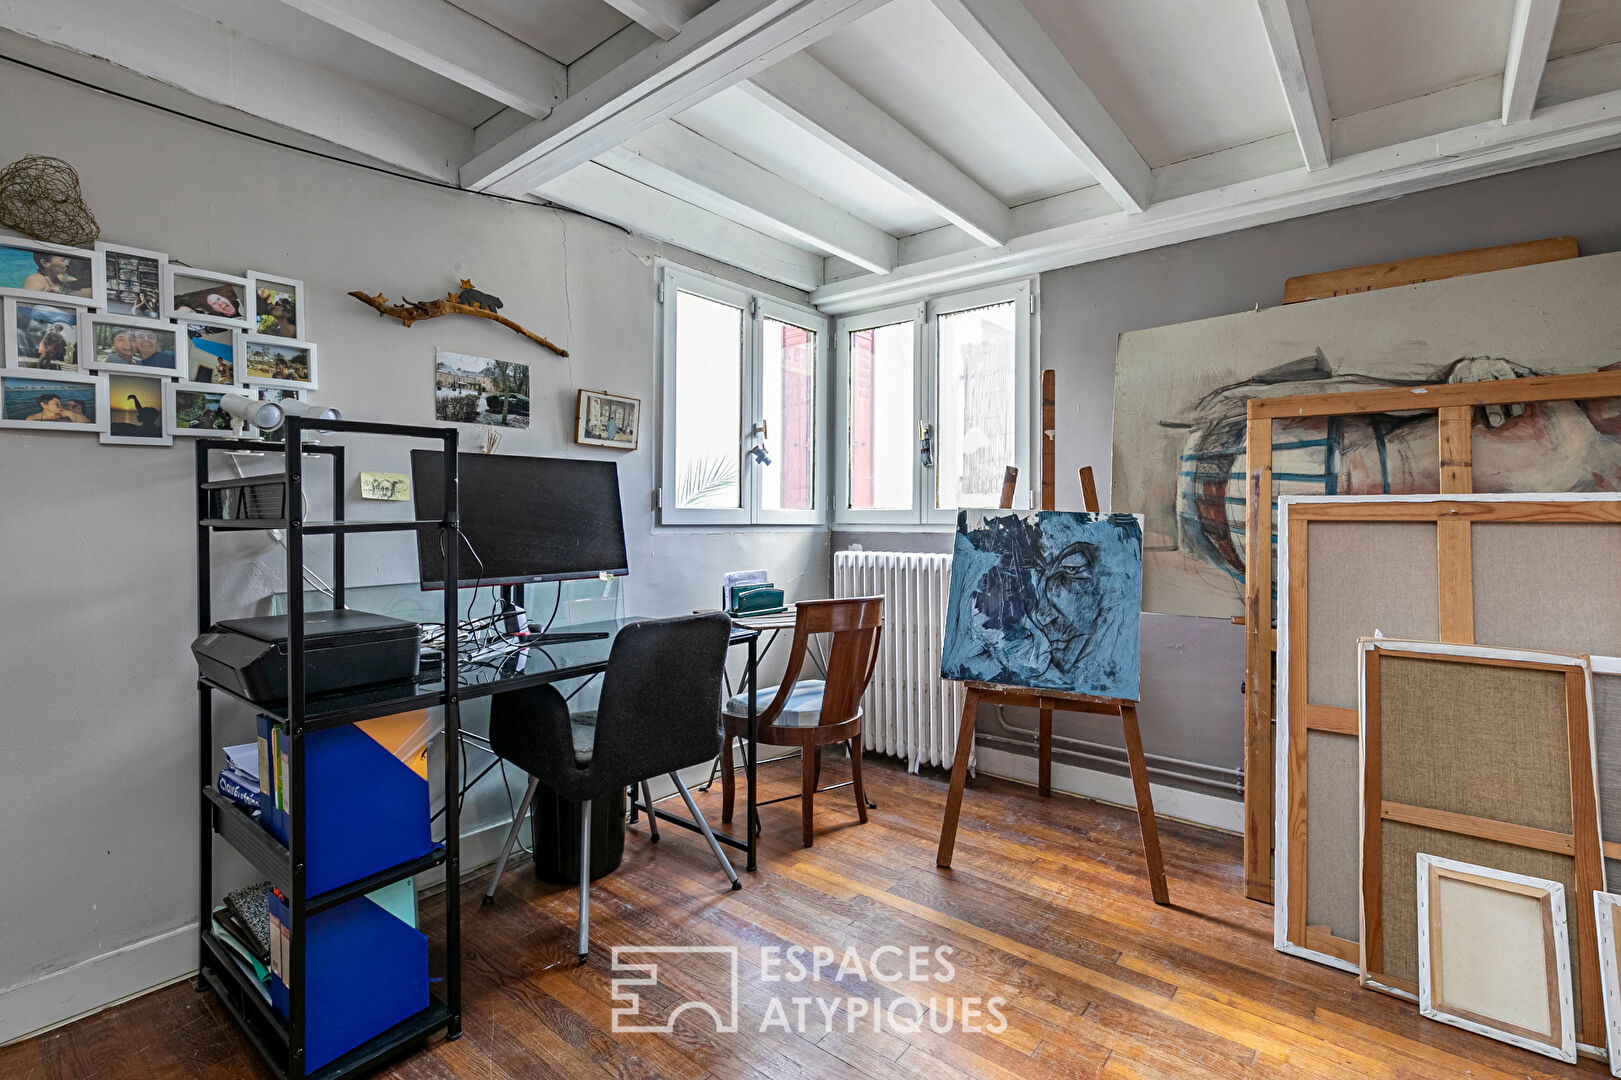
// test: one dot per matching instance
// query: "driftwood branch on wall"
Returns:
(410, 311)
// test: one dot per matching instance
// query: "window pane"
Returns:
(975, 440)
(789, 390)
(708, 402)
(883, 442)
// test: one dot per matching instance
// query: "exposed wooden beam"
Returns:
(216, 64)
(683, 163)
(812, 97)
(1023, 54)
(599, 191)
(1529, 37)
(660, 16)
(722, 45)
(1294, 50)
(442, 38)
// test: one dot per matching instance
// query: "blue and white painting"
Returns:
(1047, 599)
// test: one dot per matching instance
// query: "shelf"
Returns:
(322, 527)
(348, 706)
(391, 1043)
(268, 1029)
(343, 893)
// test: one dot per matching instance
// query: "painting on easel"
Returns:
(1047, 600)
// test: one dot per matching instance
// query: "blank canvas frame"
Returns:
(1494, 955)
(1609, 954)
(1482, 756)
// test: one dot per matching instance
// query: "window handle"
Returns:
(758, 448)
(925, 444)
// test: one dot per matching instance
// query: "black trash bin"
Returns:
(555, 824)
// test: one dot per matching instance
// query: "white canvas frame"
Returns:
(1565, 1049)
(295, 285)
(247, 322)
(171, 416)
(103, 419)
(87, 341)
(249, 340)
(104, 292)
(1604, 904)
(166, 403)
(185, 373)
(8, 326)
(24, 243)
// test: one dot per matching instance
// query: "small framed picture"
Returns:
(271, 361)
(278, 394)
(55, 401)
(603, 419)
(40, 335)
(131, 281)
(207, 297)
(35, 270)
(195, 408)
(277, 305)
(213, 354)
(120, 342)
(138, 410)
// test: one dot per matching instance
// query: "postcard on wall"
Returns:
(480, 390)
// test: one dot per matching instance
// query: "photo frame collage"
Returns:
(121, 341)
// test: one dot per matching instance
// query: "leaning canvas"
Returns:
(1048, 600)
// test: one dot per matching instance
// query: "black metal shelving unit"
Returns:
(281, 1042)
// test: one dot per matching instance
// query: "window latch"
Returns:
(757, 436)
(925, 444)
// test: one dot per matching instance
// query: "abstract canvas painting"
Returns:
(1046, 599)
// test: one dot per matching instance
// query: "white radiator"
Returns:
(911, 712)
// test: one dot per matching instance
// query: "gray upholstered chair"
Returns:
(659, 712)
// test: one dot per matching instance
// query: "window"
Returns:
(742, 430)
(934, 406)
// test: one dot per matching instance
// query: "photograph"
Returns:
(136, 410)
(603, 419)
(195, 409)
(41, 335)
(41, 271)
(479, 390)
(276, 305)
(211, 353)
(120, 342)
(131, 281)
(278, 361)
(205, 296)
(53, 402)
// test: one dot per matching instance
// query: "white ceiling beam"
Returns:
(1530, 34)
(599, 191)
(683, 163)
(1487, 148)
(1023, 54)
(813, 98)
(216, 64)
(1294, 50)
(442, 38)
(724, 44)
(660, 16)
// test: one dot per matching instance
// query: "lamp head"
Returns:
(264, 415)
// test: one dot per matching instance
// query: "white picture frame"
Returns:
(11, 308)
(108, 304)
(11, 378)
(14, 271)
(178, 390)
(281, 283)
(256, 346)
(92, 325)
(1506, 948)
(120, 384)
(187, 282)
(195, 357)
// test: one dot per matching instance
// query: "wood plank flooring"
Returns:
(1047, 908)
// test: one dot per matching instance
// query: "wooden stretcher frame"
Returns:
(1582, 843)
(1453, 405)
(1559, 1042)
(1452, 515)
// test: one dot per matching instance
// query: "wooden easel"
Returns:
(1048, 700)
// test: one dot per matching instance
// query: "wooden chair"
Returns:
(812, 713)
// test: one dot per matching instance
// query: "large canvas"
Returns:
(1180, 395)
(1046, 599)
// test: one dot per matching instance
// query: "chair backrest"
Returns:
(660, 704)
(856, 623)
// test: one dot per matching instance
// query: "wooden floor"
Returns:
(1047, 907)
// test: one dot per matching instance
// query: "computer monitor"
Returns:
(522, 518)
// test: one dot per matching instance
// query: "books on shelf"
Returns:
(250, 911)
(239, 787)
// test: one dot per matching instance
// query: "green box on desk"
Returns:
(758, 599)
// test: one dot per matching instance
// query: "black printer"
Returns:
(342, 649)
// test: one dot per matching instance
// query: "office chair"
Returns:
(658, 713)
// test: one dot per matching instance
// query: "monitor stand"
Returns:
(515, 623)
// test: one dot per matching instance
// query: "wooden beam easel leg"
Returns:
(1145, 804)
(1044, 753)
(959, 777)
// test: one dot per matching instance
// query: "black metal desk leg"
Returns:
(753, 816)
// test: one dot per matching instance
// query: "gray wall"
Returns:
(1193, 668)
(98, 792)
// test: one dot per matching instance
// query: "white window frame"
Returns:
(925, 383)
(756, 308)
